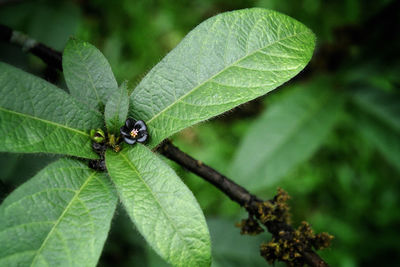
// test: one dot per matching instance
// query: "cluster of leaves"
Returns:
(225, 61)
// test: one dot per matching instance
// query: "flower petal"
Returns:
(124, 130)
(143, 137)
(129, 141)
(140, 125)
(130, 123)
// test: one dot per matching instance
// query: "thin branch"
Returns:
(50, 56)
(234, 191)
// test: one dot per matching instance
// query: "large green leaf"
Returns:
(117, 109)
(61, 217)
(225, 61)
(88, 75)
(286, 134)
(163, 209)
(36, 116)
(379, 121)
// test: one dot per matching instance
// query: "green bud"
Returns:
(97, 135)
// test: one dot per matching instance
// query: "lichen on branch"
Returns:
(287, 244)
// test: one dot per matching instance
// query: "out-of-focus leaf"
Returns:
(230, 248)
(286, 134)
(64, 20)
(154, 260)
(88, 75)
(225, 61)
(48, 24)
(379, 121)
(117, 109)
(36, 116)
(60, 217)
(163, 209)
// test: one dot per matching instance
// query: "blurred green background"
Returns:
(330, 137)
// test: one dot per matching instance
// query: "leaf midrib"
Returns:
(219, 72)
(43, 120)
(155, 198)
(75, 197)
(89, 75)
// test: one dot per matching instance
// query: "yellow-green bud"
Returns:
(97, 135)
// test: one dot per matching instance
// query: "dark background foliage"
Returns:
(349, 187)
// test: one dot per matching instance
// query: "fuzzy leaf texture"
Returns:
(227, 60)
(36, 116)
(61, 217)
(286, 134)
(163, 209)
(87, 73)
(117, 109)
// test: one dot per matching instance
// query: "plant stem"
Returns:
(50, 56)
(234, 191)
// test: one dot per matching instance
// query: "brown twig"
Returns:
(234, 191)
(50, 56)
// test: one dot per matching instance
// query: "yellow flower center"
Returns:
(134, 133)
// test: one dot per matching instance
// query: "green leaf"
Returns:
(227, 60)
(379, 121)
(36, 116)
(117, 109)
(232, 249)
(163, 209)
(65, 19)
(286, 134)
(88, 75)
(61, 217)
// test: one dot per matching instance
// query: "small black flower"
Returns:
(134, 131)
